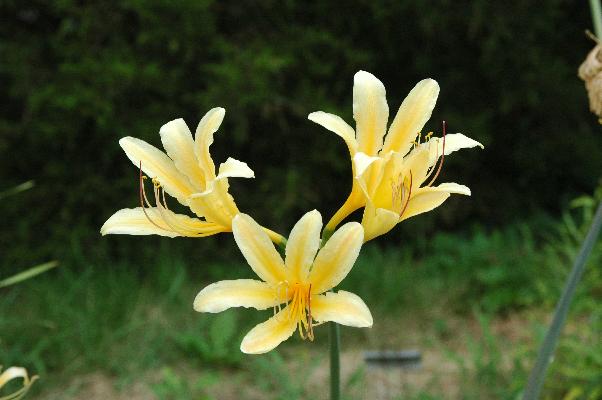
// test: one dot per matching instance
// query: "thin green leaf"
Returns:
(17, 189)
(30, 273)
(546, 352)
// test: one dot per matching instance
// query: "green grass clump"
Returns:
(97, 313)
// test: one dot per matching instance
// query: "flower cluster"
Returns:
(393, 175)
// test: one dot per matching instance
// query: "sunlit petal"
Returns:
(258, 250)
(423, 202)
(391, 171)
(204, 138)
(370, 111)
(342, 307)
(429, 198)
(157, 164)
(233, 168)
(134, 221)
(215, 203)
(302, 245)
(337, 125)
(222, 295)
(335, 259)
(452, 187)
(179, 145)
(413, 113)
(378, 221)
(453, 142)
(367, 172)
(417, 162)
(362, 161)
(269, 334)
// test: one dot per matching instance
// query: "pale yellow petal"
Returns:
(368, 171)
(355, 200)
(134, 221)
(13, 373)
(258, 250)
(378, 221)
(429, 198)
(417, 162)
(215, 203)
(157, 164)
(337, 125)
(362, 161)
(453, 142)
(454, 188)
(269, 334)
(335, 259)
(191, 227)
(302, 245)
(204, 138)
(370, 111)
(233, 168)
(391, 180)
(179, 145)
(222, 295)
(342, 307)
(413, 113)
(423, 202)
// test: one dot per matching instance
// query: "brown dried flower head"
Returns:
(591, 72)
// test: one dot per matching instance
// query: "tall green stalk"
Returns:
(596, 10)
(546, 352)
(335, 361)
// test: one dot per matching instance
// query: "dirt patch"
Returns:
(99, 386)
(308, 365)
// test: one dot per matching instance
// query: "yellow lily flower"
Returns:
(187, 173)
(296, 287)
(16, 373)
(392, 175)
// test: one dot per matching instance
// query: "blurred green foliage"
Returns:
(111, 317)
(76, 77)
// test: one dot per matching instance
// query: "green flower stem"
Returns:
(30, 273)
(546, 352)
(596, 10)
(335, 361)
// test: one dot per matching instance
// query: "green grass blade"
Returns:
(30, 273)
(596, 17)
(17, 189)
(335, 361)
(549, 344)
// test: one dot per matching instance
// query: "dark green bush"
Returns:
(78, 76)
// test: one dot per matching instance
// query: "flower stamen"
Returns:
(442, 155)
(401, 192)
(143, 199)
(408, 196)
(310, 329)
(165, 214)
(297, 297)
(396, 195)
